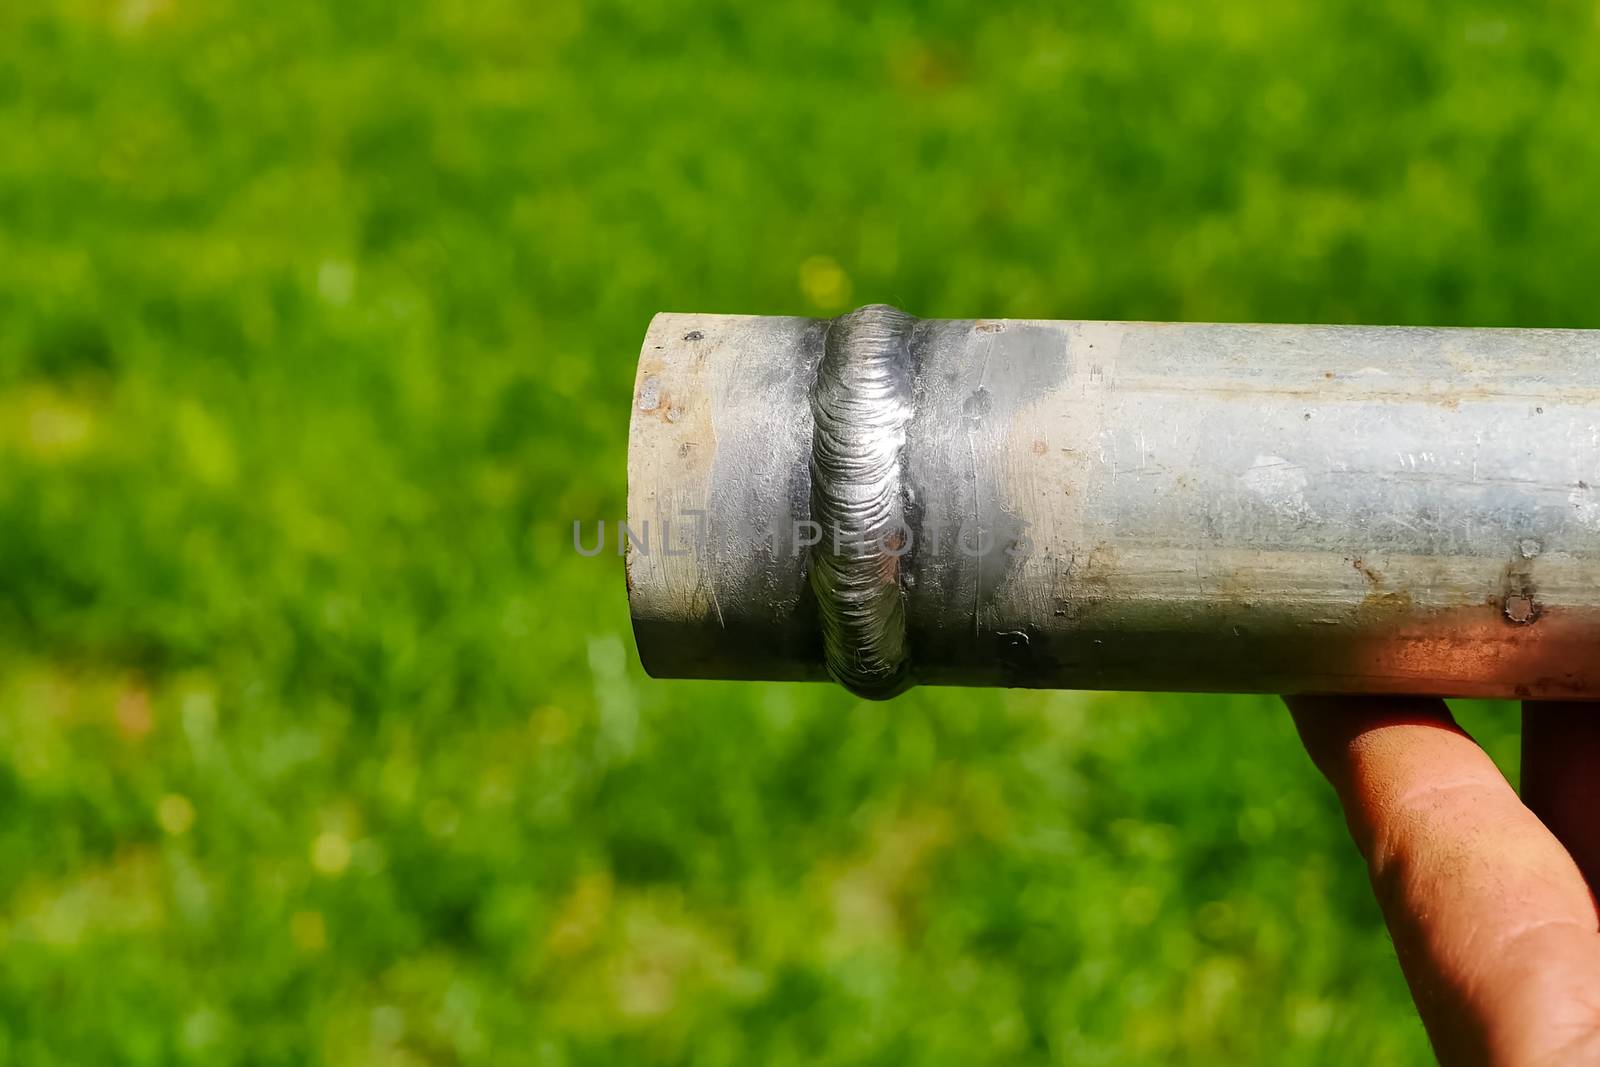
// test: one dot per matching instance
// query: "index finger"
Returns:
(1494, 926)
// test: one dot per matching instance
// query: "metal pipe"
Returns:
(1117, 505)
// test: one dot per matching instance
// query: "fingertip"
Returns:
(1332, 727)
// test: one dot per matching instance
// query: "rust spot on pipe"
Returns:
(1521, 609)
(1518, 601)
(653, 400)
(1395, 604)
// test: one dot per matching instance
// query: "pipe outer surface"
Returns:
(890, 501)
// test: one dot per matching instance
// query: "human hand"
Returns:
(1487, 897)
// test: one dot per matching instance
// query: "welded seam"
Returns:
(861, 404)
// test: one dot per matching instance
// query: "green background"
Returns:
(318, 742)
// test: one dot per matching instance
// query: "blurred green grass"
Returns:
(317, 322)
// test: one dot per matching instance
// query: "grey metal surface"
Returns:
(1143, 506)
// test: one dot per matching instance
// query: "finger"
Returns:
(1561, 776)
(1493, 924)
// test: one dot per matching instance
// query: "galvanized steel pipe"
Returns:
(1116, 505)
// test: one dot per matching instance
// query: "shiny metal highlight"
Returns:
(861, 405)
